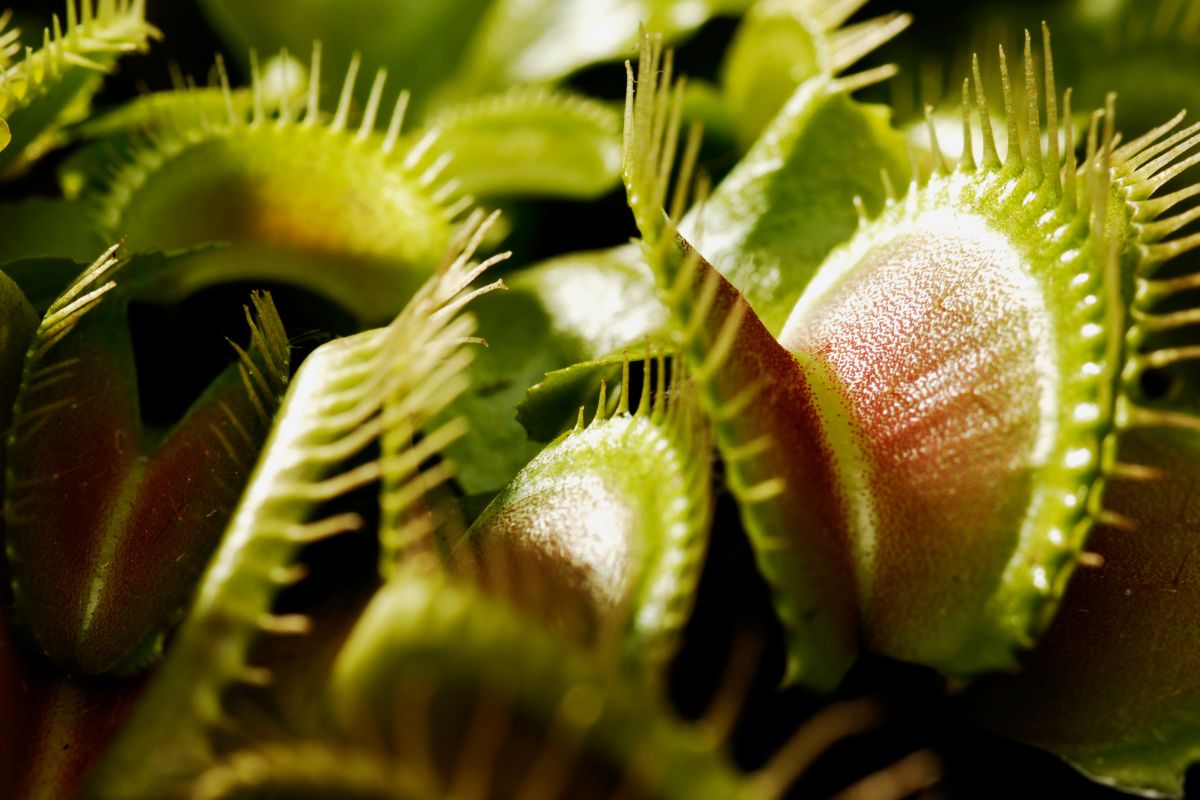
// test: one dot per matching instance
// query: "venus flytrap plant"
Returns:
(335, 410)
(108, 523)
(268, 187)
(901, 409)
(931, 410)
(791, 198)
(52, 86)
(603, 534)
(782, 43)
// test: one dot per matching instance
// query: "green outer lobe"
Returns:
(1114, 687)
(603, 533)
(420, 42)
(772, 53)
(556, 313)
(530, 142)
(1068, 375)
(299, 204)
(543, 41)
(789, 202)
(420, 628)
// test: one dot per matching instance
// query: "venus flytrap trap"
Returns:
(290, 193)
(603, 534)
(783, 43)
(267, 187)
(418, 704)
(531, 141)
(900, 409)
(335, 409)
(109, 523)
(49, 87)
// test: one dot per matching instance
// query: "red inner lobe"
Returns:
(934, 341)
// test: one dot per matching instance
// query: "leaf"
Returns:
(783, 43)
(553, 402)
(532, 141)
(554, 314)
(1114, 687)
(790, 200)
(543, 41)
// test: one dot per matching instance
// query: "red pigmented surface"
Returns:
(69, 478)
(932, 338)
(184, 499)
(810, 516)
(53, 729)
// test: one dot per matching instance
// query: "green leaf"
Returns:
(543, 41)
(48, 227)
(783, 43)
(556, 313)
(553, 403)
(532, 141)
(790, 201)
